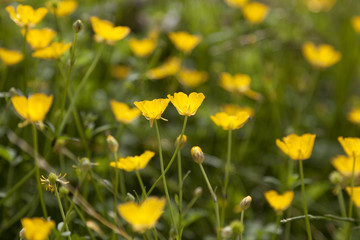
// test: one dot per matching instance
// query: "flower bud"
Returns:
(335, 177)
(63, 191)
(237, 227)
(198, 192)
(77, 26)
(112, 143)
(130, 197)
(245, 203)
(183, 141)
(197, 154)
(226, 232)
(22, 234)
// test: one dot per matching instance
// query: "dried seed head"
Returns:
(197, 154)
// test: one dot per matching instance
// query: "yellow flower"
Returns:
(169, 68)
(123, 113)
(356, 195)
(350, 145)
(184, 41)
(279, 202)
(255, 12)
(230, 122)
(355, 22)
(143, 47)
(130, 164)
(236, 3)
(297, 147)
(191, 78)
(39, 38)
(62, 8)
(233, 109)
(143, 216)
(344, 165)
(186, 105)
(25, 15)
(239, 83)
(152, 110)
(54, 51)
(9, 57)
(120, 71)
(106, 31)
(37, 228)
(321, 56)
(34, 108)
(319, 5)
(354, 115)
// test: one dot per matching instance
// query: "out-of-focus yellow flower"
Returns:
(356, 195)
(154, 34)
(10, 57)
(351, 146)
(191, 78)
(319, 5)
(279, 202)
(169, 68)
(25, 15)
(354, 115)
(34, 108)
(184, 41)
(39, 38)
(187, 105)
(152, 110)
(239, 83)
(123, 113)
(297, 147)
(130, 164)
(143, 216)
(321, 56)
(106, 31)
(355, 22)
(62, 8)
(236, 3)
(233, 109)
(255, 12)
(344, 165)
(143, 47)
(230, 122)
(54, 51)
(37, 228)
(120, 71)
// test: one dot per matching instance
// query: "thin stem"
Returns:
(348, 232)
(116, 185)
(275, 235)
(25, 58)
(242, 222)
(213, 195)
(307, 222)
(61, 210)
(226, 181)
(35, 142)
(180, 190)
(171, 160)
(163, 176)
(190, 204)
(141, 183)
(155, 233)
(341, 200)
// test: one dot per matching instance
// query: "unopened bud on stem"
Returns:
(245, 203)
(197, 154)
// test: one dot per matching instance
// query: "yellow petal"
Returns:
(356, 195)
(184, 41)
(37, 228)
(20, 104)
(39, 104)
(10, 57)
(255, 12)
(279, 202)
(297, 147)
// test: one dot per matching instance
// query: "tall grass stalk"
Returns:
(226, 180)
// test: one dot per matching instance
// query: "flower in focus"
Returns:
(152, 110)
(10, 57)
(233, 109)
(230, 122)
(319, 5)
(255, 12)
(187, 105)
(123, 113)
(62, 8)
(355, 22)
(106, 31)
(184, 41)
(37, 228)
(169, 68)
(130, 164)
(54, 51)
(297, 147)
(143, 47)
(34, 108)
(350, 145)
(236, 3)
(191, 78)
(321, 56)
(356, 195)
(39, 38)
(354, 115)
(120, 71)
(51, 180)
(344, 165)
(143, 216)
(279, 202)
(25, 15)
(239, 83)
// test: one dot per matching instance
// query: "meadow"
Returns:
(182, 119)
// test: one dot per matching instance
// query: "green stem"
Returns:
(163, 176)
(348, 232)
(190, 204)
(171, 160)
(275, 235)
(155, 233)
(307, 222)
(341, 200)
(226, 181)
(141, 183)
(116, 185)
(35, 142)
(242, 222)
(213, 195)
(180, 191)
(61, 210)
(25, 59)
